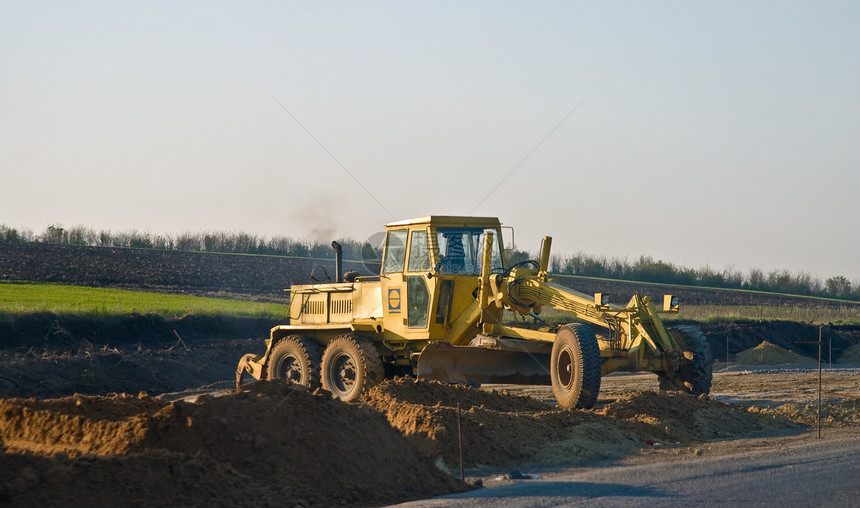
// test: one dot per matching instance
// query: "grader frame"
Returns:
(437, 310)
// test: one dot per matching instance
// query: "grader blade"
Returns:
(440, 361)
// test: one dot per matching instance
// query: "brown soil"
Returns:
(770, 354)
(499, 428)
(270, 445)
(276, 444)
(279, 445)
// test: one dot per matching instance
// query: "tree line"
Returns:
(206, 241)
(647, 269)
(642, 269)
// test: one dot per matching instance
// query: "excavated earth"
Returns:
(271, 444)
(78, 428)
(274, 444)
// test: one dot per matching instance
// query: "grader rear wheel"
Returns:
(575, 367)
(296, 359)
(696, 372)
(350, 366)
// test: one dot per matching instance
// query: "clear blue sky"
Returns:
(709, 133)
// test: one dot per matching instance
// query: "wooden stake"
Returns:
(460, 443)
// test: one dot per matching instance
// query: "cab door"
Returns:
(407, 290)
(391, 280)
(419, 283)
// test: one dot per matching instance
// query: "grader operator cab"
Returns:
(446, 306)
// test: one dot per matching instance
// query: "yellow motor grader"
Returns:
(447, 307)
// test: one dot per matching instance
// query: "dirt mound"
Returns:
(432, 393)
(274, 444)
(767, 353)
(845, 413)
(739, 335)
(496, 428)
(76, 426)
(679, 417)
(270, 444)
(500, 429)
(851, 355)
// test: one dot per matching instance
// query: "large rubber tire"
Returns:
(350, 366)
(696, 372)
(296, 359)
(575, 367)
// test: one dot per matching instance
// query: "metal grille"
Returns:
(315, 307)
(341, 307)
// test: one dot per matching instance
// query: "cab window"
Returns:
(395, 251)
(419, 254)
(461, 250)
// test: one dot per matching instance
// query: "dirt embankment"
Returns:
(274, 444)
(800, 338)
(269, 445)
(44, 355)
(279, 445)
(504, 429)
(851, 354)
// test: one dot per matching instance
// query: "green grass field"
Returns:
(816, 315)
(848, 314)
(23, 298)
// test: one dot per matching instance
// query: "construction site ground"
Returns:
(96, 425)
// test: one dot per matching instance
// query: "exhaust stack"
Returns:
(338, 261)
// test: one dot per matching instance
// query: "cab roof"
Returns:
(449, 220)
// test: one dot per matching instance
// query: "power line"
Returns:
(533, 150)
(334, 158)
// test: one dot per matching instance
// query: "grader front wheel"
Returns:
(350, 366)
(575, 367)
(696, 372)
